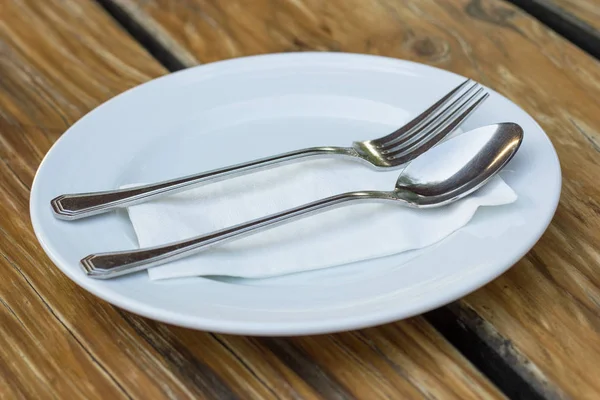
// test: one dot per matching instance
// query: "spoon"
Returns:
(444, 174)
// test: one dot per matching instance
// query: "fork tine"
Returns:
(424, 116)
(423, 129)
(440, 131)
(445, 118)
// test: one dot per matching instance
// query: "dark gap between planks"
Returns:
(143, 37)
(482, 356)
(573, 29)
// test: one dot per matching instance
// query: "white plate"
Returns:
(179, 124)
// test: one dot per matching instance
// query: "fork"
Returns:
(391, 151)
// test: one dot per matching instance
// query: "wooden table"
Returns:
(532, 333)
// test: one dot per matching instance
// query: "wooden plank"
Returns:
(61, 342)
(392, 361)
(58, 60)
(31, 352)
(542, 317)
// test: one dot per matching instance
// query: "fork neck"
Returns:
(323, 151)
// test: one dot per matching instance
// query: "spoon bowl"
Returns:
(458, 166)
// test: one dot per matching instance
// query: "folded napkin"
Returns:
(352, 233)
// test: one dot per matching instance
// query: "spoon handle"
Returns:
(81, 205)
(113, 264)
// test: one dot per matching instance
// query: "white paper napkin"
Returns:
(348, 234)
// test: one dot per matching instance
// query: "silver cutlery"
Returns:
(391, 151)
(446, 173)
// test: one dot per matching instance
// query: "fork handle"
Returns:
(81, 205)
(113, 264)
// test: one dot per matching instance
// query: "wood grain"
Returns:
(58, 60)
(546, 309)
